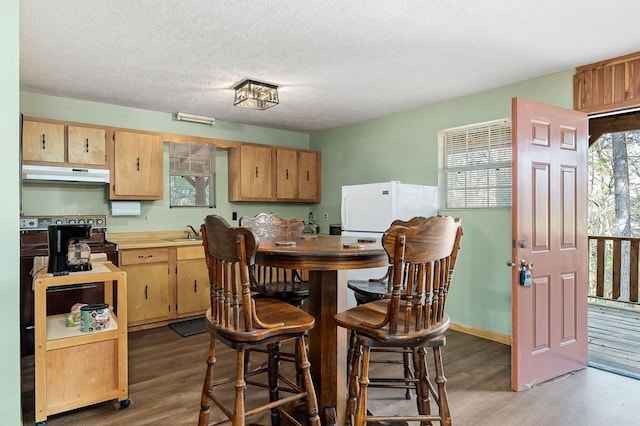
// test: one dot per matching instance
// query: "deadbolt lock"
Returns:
(523, 264)
(524, 276)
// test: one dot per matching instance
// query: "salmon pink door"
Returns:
(549, 335)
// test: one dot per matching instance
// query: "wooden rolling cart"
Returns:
(74, 368)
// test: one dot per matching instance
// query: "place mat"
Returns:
(189, 327)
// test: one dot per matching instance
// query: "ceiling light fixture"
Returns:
(194, 118)
(255, 95)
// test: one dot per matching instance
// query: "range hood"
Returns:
(64, 174)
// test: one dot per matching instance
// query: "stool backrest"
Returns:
(229, 252)
(414, 221)
(422, 256)
(271, 225)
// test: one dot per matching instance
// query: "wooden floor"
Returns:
(614, 340)
(166, 372)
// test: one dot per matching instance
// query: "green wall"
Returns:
(404, 147)
(401, 147)
(40, 199)
(10, 413)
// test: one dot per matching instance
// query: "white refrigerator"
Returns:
(367, 210)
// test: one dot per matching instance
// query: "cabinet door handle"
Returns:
(145, 256)
(146, 294)
(287, 174)
(307, 175)
(195, 286)
(256, 171)
(138, 164)
(86, 145)
(43, 142)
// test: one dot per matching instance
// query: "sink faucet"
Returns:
(195, 233)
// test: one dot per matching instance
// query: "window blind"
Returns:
(476, 165)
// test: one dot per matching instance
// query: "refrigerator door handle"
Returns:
(343, 213)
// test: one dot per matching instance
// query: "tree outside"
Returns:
(614, 197)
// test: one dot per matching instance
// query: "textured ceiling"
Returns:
(336, 62)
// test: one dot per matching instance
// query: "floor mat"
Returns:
(189, 327)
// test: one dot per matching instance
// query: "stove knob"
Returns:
(100, 221)
(72, 221)
(80, 220)
(90, 221)
(58, 221)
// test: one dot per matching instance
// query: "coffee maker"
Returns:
(66, 252)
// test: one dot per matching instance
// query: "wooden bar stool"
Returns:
(242, 322)
(413, 317)
(279, 283)
(379, 288)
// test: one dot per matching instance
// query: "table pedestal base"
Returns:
(328, 343)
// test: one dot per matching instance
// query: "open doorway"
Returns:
(614, 242)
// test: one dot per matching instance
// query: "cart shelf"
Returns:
(74, 368)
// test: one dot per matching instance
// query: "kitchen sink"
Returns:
(179, 240)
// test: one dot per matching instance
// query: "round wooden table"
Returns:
(327, 260)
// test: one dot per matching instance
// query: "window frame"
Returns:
(497, 169)
(211, 174)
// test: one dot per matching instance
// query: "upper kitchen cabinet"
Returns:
(286, 174)
(87, 145)
(309, 167)
(297, 174)
(42, 142)
(250, 173)
(59, 143)
(270, 173)
(137, 166)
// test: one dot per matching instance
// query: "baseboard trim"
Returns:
(479, 332)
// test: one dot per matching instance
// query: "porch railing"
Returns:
(613, 268)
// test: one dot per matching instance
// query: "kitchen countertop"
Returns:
(137, 240)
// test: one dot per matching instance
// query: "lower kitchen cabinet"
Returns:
(165, 284)
(192, 281)
(149, 284)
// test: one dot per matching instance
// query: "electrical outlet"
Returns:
(326, 216)
(145, 218)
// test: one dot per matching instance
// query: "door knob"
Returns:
(523, 264)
